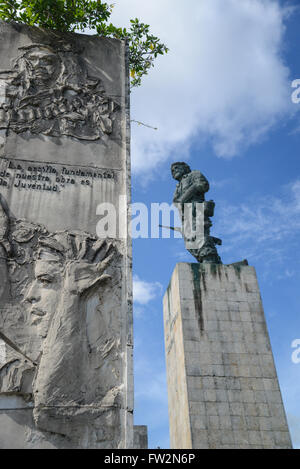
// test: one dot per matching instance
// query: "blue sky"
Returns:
(221, 100)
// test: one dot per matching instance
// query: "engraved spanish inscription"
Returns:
(25, 175)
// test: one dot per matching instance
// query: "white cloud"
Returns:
(144, 292)
(223, 80)
(266, 228)
(295, 188)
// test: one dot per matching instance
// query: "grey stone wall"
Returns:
(222, 383)
(140, 437)
(66, 374)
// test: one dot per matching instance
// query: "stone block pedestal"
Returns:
(222, 383)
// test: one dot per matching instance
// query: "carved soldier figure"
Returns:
(190, 194)
(49, 91)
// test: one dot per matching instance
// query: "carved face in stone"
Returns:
(50, 92)
(179, 170)
(42, 297)
(44, 65)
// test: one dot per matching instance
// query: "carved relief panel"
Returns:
(65, 295)
(48, 91)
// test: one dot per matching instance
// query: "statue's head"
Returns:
(179, 169)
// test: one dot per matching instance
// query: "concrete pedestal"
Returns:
(222, 383)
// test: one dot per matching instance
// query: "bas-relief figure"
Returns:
(62, 334)
(59, 331)
(48, 91)
(190, 190)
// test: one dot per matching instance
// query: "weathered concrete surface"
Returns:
(63, 126)
(222, 383)
(66, 374)
(140, 437)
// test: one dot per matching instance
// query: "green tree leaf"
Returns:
(78, 15)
